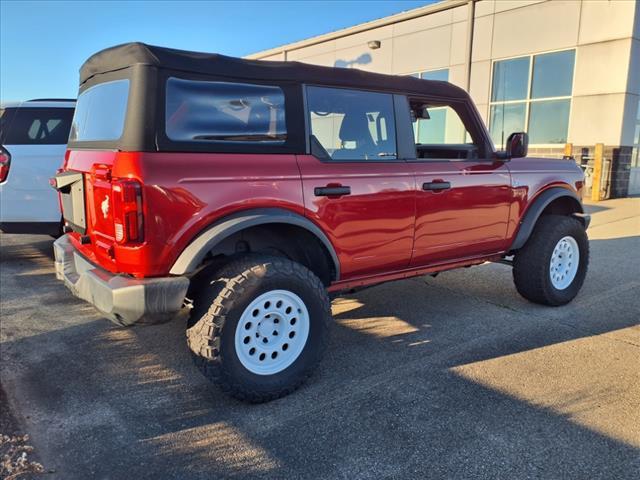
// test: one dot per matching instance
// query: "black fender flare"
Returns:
(193, 255)
(531, 215)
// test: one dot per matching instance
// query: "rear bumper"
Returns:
(124, 300)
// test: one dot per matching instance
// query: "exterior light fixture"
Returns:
(374, 44)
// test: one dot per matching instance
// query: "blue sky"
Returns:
(43, 43)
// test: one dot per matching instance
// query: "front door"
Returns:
(462, 197)
(355, 187)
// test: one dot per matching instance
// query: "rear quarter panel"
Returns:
(531, 176)
(184, 193)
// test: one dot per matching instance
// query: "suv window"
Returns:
(198, 111)
(35, 126)
(352, 124)
(440, 133)
(100, 112)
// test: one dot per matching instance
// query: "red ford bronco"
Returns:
(243, 193)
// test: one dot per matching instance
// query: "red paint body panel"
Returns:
(468, 219)
(183, 193)
(372, 228)
(531, 176)
(387, 228)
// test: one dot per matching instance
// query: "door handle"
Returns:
(332, 191)
(436, 186)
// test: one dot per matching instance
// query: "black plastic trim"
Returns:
(192, 256)
(528, 221)
(436, 186)
(331, 191)
(405, 143)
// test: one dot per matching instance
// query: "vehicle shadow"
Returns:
(395, 397)
(26, 247)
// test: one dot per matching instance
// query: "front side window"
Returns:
(437, 124)
(100, 112)
(440, 132)
(352, 124)
(35, 126)
(200, 111)
(532, 94)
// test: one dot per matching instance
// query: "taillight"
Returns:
(5, 163)
(127, 211)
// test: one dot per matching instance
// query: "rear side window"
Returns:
(35, 126)
(100, 112)
(352, 124)
(198, 111)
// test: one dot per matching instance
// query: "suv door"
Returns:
(463, 196)
(356, 187)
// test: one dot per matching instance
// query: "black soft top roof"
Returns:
(129, 54)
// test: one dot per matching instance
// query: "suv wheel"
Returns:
(552, 265)
(260, 327)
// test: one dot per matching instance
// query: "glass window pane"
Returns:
(442, 75)
(635, 157)
(224, 112)
(506, 119)
(35, 126)
(443, 127)
(100, 112)
(549, 121)
(352, 125)
(552, 74)
(35, 131)
(510, 79)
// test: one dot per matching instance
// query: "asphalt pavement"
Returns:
(449, 377)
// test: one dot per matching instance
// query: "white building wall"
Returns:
(602, 32)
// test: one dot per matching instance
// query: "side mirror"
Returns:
(517, 145)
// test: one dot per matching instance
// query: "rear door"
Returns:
(463, 196)
(356, 186)
(36, 139)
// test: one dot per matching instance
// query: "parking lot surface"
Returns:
(448, 377)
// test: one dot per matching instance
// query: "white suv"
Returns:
(33, 139)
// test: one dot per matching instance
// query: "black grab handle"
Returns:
(331, 191)
(436, 185)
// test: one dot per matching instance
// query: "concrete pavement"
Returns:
(448, 377)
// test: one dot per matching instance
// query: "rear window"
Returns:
(198, 111)
(100, 112)
(35, 126)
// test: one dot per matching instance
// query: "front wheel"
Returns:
(260, 327)
(551, 267)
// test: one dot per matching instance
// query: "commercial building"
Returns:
(565, 71)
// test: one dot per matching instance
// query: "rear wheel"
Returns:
(551, 267)
(259, 329)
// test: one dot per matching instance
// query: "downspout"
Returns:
(471, 6)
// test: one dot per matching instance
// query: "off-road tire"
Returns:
(217, 311)
(531, 266)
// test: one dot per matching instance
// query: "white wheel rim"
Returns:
(564, 263)
(272, 332)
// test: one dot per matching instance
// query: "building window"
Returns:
(635, 155)
(532, 94)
